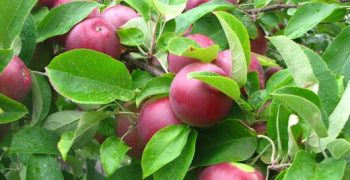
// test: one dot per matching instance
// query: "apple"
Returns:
(118, 15)
(230, 171)
(127, 123)
(194, 3)
(271, 71)
(59, 2)
(259, 127)
(155, 115)
(176, 63)
(259, 44)
(95, 34)
(256, 66)
(195, 102)
(15, 80)
(47, 3)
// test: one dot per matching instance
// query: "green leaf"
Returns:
(11, 110)
(278, 80)
(337, 55)
(112, 152)
(131, 36)
(253, 83)
(305, 167)
(41, 93)
(296, 60)
(307, 17)
(6, 56)
(185, 20)
(28, 37)
(140, 78)
(65, 143)
(169, 9)
(261, 3)
(177, 169)
(227, 141)
(339, 148)
(156, 86)
(13, 15)
(238, 40)
(63, 121)
(34, 140)
(42, 167)
(90, 77)
(62, 18)
(265, 61)
(165, 146)
(306, 104)
(226, 85)
(140, 24)
(142, 7)
(189, 48)
(130, 172)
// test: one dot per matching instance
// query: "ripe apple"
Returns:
(271, 71)
(132, 139)
(59, 2)
(47, 3)
(256, 66)
(230, 171)
(118, 15)
(194, 3)
(95, 34)
(15, 80)
(195, 102)
(259, 44)
(176, 63)
(155, 115)
(259, 127)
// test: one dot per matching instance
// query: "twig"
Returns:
(270, 8)
(143, 65)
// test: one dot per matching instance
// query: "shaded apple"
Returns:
(118, 15)
(230, 171)
(176, 63)
(127, 123)
(95, 34)
(15, 80)
(155, 115)
(259, 127)
(271, 71)
(47, 3)
(256, 66)
(259, 44)
(195, 102)
(100, 138)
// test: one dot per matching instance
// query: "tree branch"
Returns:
(142, 64)
(270, 8)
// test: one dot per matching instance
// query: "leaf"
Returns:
(265, 61)
(65, 143)
(13, 15)
(189, 48)
(337, 55)
(62, 121)
(226, 85)
(28, 37)
(89, 77)
(261, 3)
(156, 86)
(131, 36)
(253, 83)
(130, 172)
(339, 148)
(140, 78)
(307, 17)
(165, 146)
(62, 18)
(185, 20)
(11, 110)
(177, 169)
(228, 141)
(280, 79)
(140, 24)
(296, 60)
(41, 93)
(169, 9)
(238, 40)
(142, 7)
(34, 140)
(6, 56)
(305, 167)
(42, 167)
(306, 104)
(112, 152)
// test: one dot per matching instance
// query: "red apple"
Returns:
(59, 2)
(119, 15)
(259, 44)
(155, 115)
(15, 80)
(95, 34)
(224, 61)
(259, 127)
(271, 71)
(256, 66)
(230, 171)
(47, 3)
(195, 102)
(176, 63)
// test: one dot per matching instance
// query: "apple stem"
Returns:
(143, 65)
(273, 146)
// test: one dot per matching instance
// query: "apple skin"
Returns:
(271, 71)
(230, 171)
(259, 127)
(256, 66)
(47, 3)
(259, 44)
(195, 102)
(132, 139)
(194, 3)
(118, 15)
(155, 115)
(176, 63)
(15, 80)
(95, 34)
